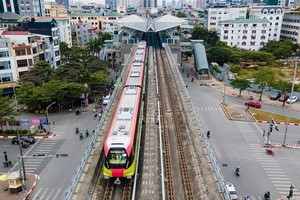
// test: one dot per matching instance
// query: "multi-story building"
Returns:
(32, 8)
(53, 9)
(291, 26)
(48, 30)
(8, 73)
(64, 27)
(215, 14)
(274, 14)
(82, 33)
(9, 6)
(10, 19)
(250, 34)
(63, 2)
(96, 20)
(111, 28)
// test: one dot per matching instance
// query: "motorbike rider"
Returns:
(76, 130)
(86, 133)
(237, 169)
(77, 112)
(208, 134)
(270, 151)
(80, 136)
(267, 196)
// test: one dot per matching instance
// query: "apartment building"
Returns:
(64, 30)
(83, 33)
(291, 26)
(250, 34)
(53, 9)
(272, 13)
(213, 15)
(32, 8)
(96, 20)
(8, 72)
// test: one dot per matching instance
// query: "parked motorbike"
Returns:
(77, 112)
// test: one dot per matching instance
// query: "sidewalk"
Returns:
(29, 184)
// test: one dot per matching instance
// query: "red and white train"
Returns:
(121, 144)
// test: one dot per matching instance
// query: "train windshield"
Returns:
(117, 158)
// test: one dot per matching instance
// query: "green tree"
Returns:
(180, 15)
(210, 37)
(264, 76)
(40, 73)
(218, 54)
(96, 45)
(72, 72)
(98, 81)
(283, 51)
(242, 84)
(7, 109)
(283, 86)
(64, 52)
(34, 97)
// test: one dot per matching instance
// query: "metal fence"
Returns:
(202, 133)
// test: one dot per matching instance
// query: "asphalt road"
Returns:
(240, 143)
(55, 173)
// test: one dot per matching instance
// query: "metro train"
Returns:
(121, 143)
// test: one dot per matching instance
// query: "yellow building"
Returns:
(96, 20)
(53, 9)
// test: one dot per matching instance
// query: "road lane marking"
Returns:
(57, 193)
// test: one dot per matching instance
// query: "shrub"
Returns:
(10, 132)
(24, 131)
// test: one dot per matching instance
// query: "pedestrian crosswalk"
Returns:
(209, 109)
(43, 148)
(272, 168)
(48, 194)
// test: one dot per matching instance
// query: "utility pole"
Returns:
(47, 115)
(288, 115)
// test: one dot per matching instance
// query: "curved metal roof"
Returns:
(200, 57)
(143, 24)
(10, 15)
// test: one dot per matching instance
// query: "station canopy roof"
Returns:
(150, 25)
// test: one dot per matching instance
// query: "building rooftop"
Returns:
(86, 14)
(44, 19)
(16, 33)
(114, 14)
(10, 15)
(244, 21)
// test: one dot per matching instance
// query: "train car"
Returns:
(121, 144)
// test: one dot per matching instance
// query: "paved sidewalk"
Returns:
(29, 184)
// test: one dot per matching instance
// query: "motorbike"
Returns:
(86, 133)
(237, 170)
(80, 136)
(269, 151)
(77, 112)
(76, 130)
(208, 134)
(267, 195)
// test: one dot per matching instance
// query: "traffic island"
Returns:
(236, 112)
(5, 187)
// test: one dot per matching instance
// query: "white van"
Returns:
(232, 192)
(106, 100)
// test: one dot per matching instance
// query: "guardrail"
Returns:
(75, 179)
(202, 133)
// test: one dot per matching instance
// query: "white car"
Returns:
(231, 190)
(292, 99)
(106, 100)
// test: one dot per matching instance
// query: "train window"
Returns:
(117, 158)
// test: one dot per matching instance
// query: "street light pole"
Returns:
(47, 115)
(288, 115)
(18, 134)
(225, 79)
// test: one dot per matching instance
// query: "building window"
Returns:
(22, 63)
(56, 42)
(254, 25)
(7, 77)
(244, 37)
(245, 25)
(58, 63)
(263, 31)
(263, 37)
(253, 31)
(253, 37)
(225, 37)
(5, 65)
(243, 43)
(34, 50)
(4, 54)
(20, 52)
(56, 53)
(226, 31)
(262, 43)
(252, 43)
(245, 31)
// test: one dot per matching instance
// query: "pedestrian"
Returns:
(95, 115)
(290, 194)
(192, 79)
(188, 75)
(208, 134)
(94, 110)
(264, 134)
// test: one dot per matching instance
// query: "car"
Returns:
(292, 99)
(26, 139)
(253, 104)
(275, 96)
(283, 98)
(231, 190)
(106, 100)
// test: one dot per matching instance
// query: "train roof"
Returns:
(124, 124)
(135, 76)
